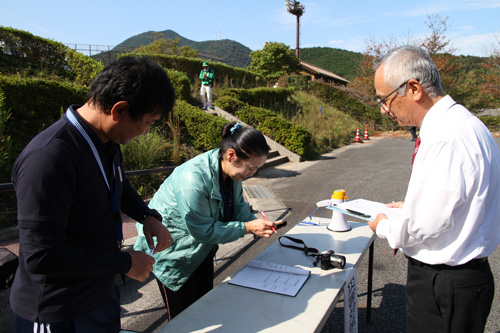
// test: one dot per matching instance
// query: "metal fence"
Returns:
(8, 205)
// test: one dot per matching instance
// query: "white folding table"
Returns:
(231, 308)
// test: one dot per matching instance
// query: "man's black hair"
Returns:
(140, 81)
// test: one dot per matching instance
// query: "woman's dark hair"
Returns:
(140, 81)
(246, 141)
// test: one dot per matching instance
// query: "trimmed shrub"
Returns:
(294, 137)
(490, 120)
(27, 55)
(225, 76)
(28, 106)
(260, 97)
(229, 103)
(181, 84)
(344, 102)
(203, 130)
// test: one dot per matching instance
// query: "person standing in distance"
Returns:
(450, 218)
(207, 80)
(71, 189)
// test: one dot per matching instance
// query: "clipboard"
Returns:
(365, 210)
(353, 213)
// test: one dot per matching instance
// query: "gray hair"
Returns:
(411, 62)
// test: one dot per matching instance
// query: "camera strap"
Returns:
(309, 251)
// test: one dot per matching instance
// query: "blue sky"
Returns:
(473, 25)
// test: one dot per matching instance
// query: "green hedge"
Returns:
(225, 76)
(344, 102)
(490, 120)
(229, 104)
(181, 84)
(260, 97)
(27, 55)
(28, 106)
(294, 137)
(203, 130)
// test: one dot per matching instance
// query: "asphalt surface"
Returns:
(376, 170)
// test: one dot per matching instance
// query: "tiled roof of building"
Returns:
(318, 70)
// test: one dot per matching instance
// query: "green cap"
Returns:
(205, 64)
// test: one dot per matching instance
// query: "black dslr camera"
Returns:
(330, 260)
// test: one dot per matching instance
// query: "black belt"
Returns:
(471, 264)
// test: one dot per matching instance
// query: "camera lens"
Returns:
(337, 261)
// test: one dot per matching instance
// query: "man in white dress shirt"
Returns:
(450, 219)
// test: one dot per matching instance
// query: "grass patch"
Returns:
(330, 128)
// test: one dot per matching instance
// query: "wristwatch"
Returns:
(154, 213)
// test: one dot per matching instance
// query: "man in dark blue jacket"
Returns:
(71, 189)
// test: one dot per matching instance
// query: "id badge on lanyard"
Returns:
(115, 202)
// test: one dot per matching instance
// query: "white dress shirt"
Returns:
(451, 213)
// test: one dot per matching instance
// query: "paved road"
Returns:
(378, 171)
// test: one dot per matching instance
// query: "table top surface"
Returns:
(231, 308)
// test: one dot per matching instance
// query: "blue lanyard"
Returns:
(115, 203)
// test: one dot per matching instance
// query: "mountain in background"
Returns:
(234, 53)
(341, 62)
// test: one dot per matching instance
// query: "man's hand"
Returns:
(398, 204)
(373, 224)
(142, 266)
(152, 227)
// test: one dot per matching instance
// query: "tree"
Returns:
(491, 85)
(168, 47)
(274, 61)
(461, 87)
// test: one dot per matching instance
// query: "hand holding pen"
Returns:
(265, 217)
(260, 228)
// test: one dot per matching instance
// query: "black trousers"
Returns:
(441, 298)
(198, 284)
(104, 319)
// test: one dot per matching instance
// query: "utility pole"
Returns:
(295, 8)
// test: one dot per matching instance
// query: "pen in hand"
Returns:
(152, 250)
(265, 216)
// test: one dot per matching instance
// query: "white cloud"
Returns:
(476, 45)
(436, 7)
(336, 42)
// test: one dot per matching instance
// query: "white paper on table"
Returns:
(367, 207)
(271, 277)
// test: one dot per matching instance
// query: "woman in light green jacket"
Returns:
(202, 205)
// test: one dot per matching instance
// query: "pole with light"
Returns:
(295, 8)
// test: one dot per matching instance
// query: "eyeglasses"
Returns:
(381, 101)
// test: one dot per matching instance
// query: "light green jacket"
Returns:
(192, 208)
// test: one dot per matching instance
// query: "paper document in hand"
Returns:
(271, 277)
(368, 209)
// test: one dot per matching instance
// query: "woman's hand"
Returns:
(260, 227)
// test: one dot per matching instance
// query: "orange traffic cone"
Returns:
(358, 139)
(366, 134)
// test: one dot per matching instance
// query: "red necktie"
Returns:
(415, 150)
